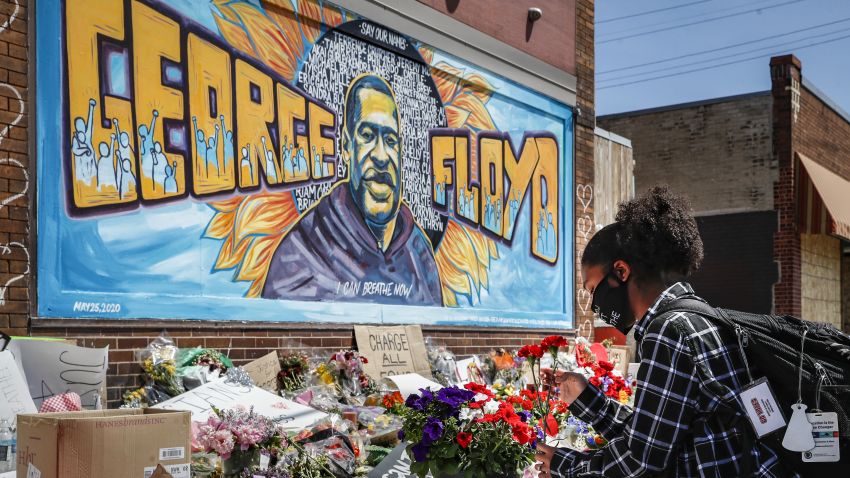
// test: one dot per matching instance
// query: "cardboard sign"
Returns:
(52, 368)
(620, 356)
(395, 465)
(264, 370)
(14, 393)
(223, 395)
(392, 350)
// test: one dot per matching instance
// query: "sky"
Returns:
(746, 32)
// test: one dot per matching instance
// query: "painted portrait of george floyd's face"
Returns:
(372, 148)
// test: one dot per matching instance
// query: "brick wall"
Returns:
(718, 153)
(242, 341)
(820, 278)
(245, 342)
(584, 151)
(509, 23)
(15, 244)
(845, 291)
(784, 71)
(812, 127)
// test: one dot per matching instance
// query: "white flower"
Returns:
(468, 414)
(491, 407)
(480, 397)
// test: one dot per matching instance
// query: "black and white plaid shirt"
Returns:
(675, 426)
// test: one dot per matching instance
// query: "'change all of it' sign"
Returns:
(392, 350)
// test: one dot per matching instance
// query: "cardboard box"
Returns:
(105, 443)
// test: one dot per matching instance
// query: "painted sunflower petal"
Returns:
(272, 47)
(447, 78)
(220, 226)
(233, 33)
(456, 117)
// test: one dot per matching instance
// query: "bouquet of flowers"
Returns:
(443, 364)
(610, 381)
(456, 431)
(499, 366)
(235, 431)
(393, 402)
(349, 374)
(293, 372)
(158, 362)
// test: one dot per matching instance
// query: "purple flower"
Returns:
(524, 415)
(420, 451)
(414, 402)
(417, 402)
(432, 431)
(454, 397)
(401, 435)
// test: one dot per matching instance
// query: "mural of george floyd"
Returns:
(230, 160)
(239, 172)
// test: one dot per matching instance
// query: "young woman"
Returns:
(635, 269)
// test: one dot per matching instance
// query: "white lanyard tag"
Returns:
(825, 433)
(762, 408)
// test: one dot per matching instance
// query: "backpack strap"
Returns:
(693, 304)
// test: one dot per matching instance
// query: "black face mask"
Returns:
(612, 303)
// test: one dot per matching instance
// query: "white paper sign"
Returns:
(411, 383)
(223, 395)
(463, 370)
(53, 368)
(14, 393)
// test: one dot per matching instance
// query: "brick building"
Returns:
(47, 236)
(768, 174)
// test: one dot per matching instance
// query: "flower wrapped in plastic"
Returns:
(293, 372)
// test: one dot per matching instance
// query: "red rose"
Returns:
(536, 350)
(527, 404)
(606, 365)
(364, 359)
(551, 425)
(464, 439)
(478, 388)
(553, 341)
(522, 433)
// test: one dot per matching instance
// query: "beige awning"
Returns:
(824, 200)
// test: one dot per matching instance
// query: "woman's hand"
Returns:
(571, 384)
(543, 457)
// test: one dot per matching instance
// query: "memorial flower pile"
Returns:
(344, 369)
(455, 430)
(610, 382)
(235, 430)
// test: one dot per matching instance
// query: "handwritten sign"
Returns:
(223, 395)
(53, 368)
(14, 393)
(392, 350)
(395, 465)
(264, 370)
